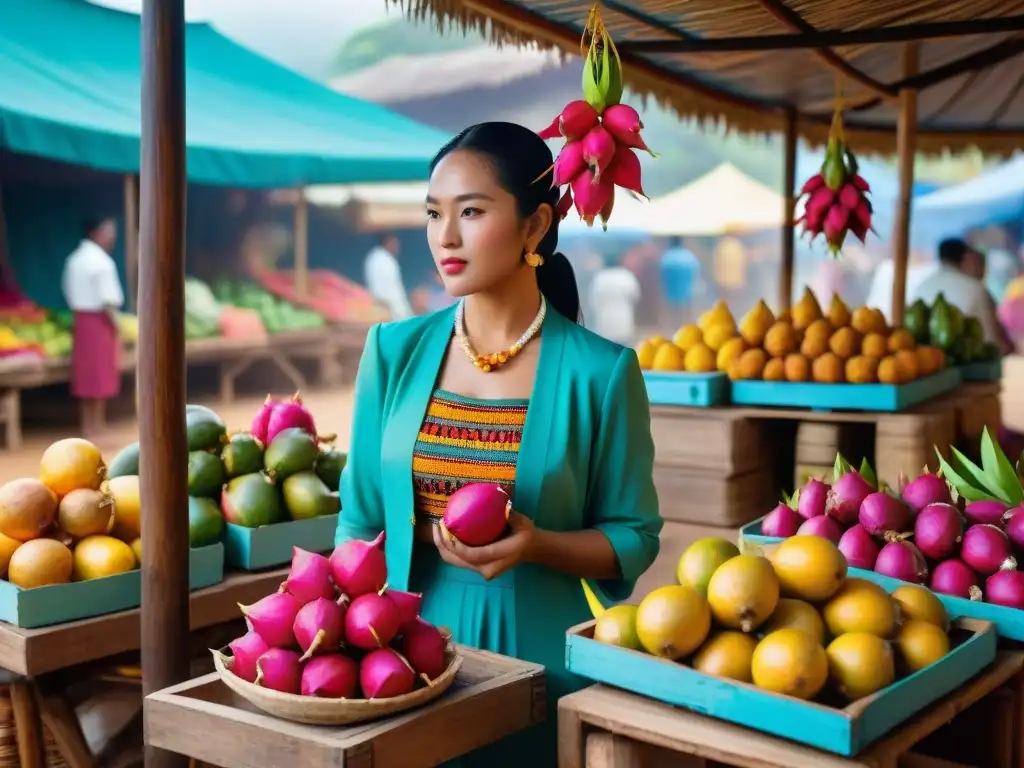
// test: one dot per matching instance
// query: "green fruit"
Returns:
(205, 522)
(306, 496)
(329, 465)
(916, 321)
(204, 428)
(291, 451)
(973, 330)
(125, 463)
(252, 501)
(940, 325)
(205, 474)
(242, 455)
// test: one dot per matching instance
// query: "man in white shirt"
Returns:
(959, 278)
(92, 290)
(384, 278)
(614, 294)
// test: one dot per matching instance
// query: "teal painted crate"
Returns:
(697, 390)
(60, 603)
(253, 549)
(844, 731)
(990, 371)
(1009, 622)
(844, 397)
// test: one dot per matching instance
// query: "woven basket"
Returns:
(318, 711)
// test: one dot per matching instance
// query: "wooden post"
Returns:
(131, 238)
(906, 135)
(301, 244)
(161, 368)
(789, 201)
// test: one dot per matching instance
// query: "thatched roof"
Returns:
(751, 62)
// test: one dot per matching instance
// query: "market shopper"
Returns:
(93, 292)
(506, 387)
(383, 277)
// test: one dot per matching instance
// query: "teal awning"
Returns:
(70, 91)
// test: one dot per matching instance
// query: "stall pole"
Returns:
(789, 201)
(906, 136)
(131, 238)
(161, 368)
(301, 244)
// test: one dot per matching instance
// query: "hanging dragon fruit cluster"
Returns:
(837, 197)
(601, 135)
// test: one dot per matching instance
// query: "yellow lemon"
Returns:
(717, 335)
(699, 359)
(645, 352)
(730, 351)
(687, 336)
(668, 357)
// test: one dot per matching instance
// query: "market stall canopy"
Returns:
(722, 201)
(753, 62)
(70, 91)
(992, 197)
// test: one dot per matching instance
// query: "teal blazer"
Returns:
(585, 460)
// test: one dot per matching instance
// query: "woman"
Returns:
(504, 387)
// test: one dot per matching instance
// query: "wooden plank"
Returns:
(207, 721)
(689, 495)
(36, 651)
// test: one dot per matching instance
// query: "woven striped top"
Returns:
(461, 441)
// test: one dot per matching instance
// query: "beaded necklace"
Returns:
(488, 363)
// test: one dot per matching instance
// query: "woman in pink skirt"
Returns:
(92, 290)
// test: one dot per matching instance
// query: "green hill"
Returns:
(398, 37)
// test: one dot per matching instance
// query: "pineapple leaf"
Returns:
(841, 467)
(975, 475)
(999, 472)
(868, 474)
(962, 486)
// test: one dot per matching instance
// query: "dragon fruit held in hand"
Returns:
(359, 567)
(835, 199)
(477, 514)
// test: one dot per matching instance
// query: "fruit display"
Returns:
(803, 344)
(51, 333)
(793, 623)
(943, 325)
(277, 314)
(67, 523)
(335, 630)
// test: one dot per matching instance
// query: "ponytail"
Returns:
(557, 281)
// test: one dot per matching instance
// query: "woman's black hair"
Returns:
(521, 162)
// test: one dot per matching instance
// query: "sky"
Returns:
(303, 34)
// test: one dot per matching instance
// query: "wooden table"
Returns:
(36, 651)
(603, 727)
(492, 697)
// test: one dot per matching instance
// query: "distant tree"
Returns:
(399, 37)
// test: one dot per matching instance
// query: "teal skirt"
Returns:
(481, 614)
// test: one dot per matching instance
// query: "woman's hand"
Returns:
(494, 559)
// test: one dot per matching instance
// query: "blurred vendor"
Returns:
(384, 278)
(93, 292)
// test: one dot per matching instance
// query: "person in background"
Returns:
(960, 279)
(93, 292)
(680, 273)
(614, 293)
(383, 278)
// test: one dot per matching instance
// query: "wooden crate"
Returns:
(718, 439)
(705, 497)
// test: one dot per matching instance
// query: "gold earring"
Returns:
(534, 259)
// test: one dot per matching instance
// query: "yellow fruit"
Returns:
(27, 508)
(127, 507)
(743, 592)
(700, 359)
(751, 364)
(860, 606)
(38, 563)
(687, 336)
(774, 370)
(70, 464)
(881, 325)
(701, 559)
(672, 622)
(809, 567)
(860, 664)
(668, 357)
(806, 311)
(798, 368)
(790, 662)
(906, 362)
(827, 369)
(919, 644)
(863, 321)
(734, 370)
(717, 315)
(862, 370)
(930, 360)
(845, 343)
(796, 614)
(920, 604)
(780, 340)
(874, 345)
(617, 626)
(901, 339)
(645, 353)
(726, 654)
(755, 324)
(85, 512)
(99, 556)
(889, 370)
(815, 341)
(137, 549)
(717, 335)
(729, 351)
(7, 549)
(838, 312)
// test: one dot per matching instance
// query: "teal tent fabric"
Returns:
(70, 90)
